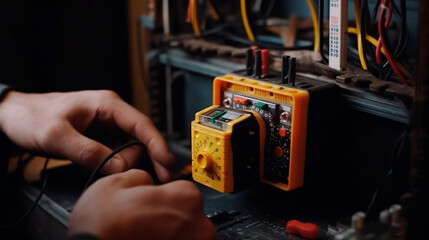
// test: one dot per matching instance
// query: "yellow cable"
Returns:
(374, 42)
(212, 10)
(194, 18)
(315, 24)
(246, 21)
(359, 35)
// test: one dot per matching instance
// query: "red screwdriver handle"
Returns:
(305, 230)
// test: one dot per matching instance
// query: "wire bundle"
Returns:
(386, 4)
(374, 51)
(192, 16)
(230, 30)
(386, 10)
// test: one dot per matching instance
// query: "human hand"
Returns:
(55, 123)
(127, 206)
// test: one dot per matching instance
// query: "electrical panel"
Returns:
(283, 111)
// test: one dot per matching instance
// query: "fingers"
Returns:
(191, 196)
(128, 179)
(164, 174)
(132, 178)
(132, 155)
(141, 127)
(186, 196)
(87, 152)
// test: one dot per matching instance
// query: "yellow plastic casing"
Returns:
(212, 153)
(266, 91)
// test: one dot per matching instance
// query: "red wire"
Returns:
(378, 52)
(379, 44)
(386, 25)
(389, 57)
(389, 14)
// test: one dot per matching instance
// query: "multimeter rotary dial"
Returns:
(208, 157)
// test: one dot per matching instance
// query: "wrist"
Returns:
(4, 89)
(5, 92)
(4, 141)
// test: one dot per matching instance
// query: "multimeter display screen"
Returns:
(219, 118)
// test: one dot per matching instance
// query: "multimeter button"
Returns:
(305, 230)
(227, 102)
(261, 105)
(279, 152)
(284, 116)
(282, 132)
(205, 160)
(241, 100)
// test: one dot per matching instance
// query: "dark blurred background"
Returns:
(64, 45)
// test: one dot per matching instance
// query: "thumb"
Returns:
(89, 153)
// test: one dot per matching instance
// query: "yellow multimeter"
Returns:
(281, 112)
